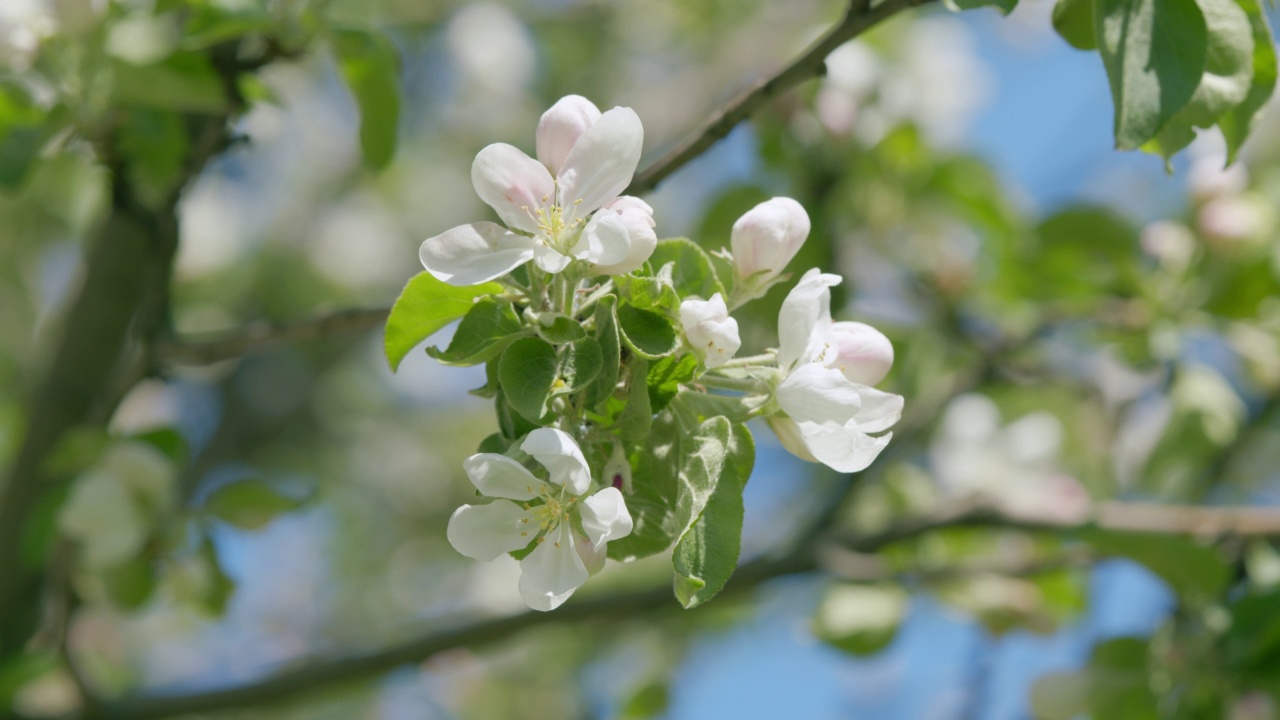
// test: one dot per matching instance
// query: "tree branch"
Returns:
(860, 17)
(831, 553)
(202, 350)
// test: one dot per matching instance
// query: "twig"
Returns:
(860, 17)
(214, 347)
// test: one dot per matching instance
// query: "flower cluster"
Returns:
(586, 343)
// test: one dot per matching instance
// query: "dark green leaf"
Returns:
(1191, 569)
(1154, 53)
(489, 326)
(559, 329)
(1073, 19)
(184, 82)
(611, 353)
(249, 504)
(580, 363)
(21, 133)
(1004, 6)
(647, 333)
(637, 416)
(1237, 123)
(655, 485)
(155, 141)
(424, 306)
(527, 372)
(665, 377)
(371, 67)
(130, 584)
(692, 270)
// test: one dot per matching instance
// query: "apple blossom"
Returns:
(554, 514)
(711, 332)
(550, 205)
(766, 238)
(825, 393)
(637, 216)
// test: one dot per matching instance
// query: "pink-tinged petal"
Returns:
(805, 313)
(562, 458)
(601, 163)
(637, 216)
(486, 532)
(501, 477)
(561, 126)
(862, 352)
(476, 253)
(819, 394)
(605, 517)
(552, 572)
(842, 448)
(789, 435)
(604, 240)
(515, 185)
(767, 236)
(880, 410)
(549, 260)
(592, 557)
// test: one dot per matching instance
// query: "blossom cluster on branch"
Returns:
(613, 362)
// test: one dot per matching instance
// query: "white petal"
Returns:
(593, 558)
(476, 253)
(880, 410)
(486, 532)
(1034, 439)
(806, 310)
(789, 435)
(971, 418)
(499, 476)
(842, 448)
(604, 240)
(562, 458)
(767, 236)
(561, 126)
(862, 352)
(550, 574)
(513, 184)
(601, 163)
(815, 393)
(637, 216)
(712, 334)
(549, 260)
(605, 517)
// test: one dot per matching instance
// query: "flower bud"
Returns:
(711, 332)
(767, 237)
(561, 126)
(862, 352)
(637, 216)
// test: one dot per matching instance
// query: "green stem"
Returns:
(762, 359)
(746, 385)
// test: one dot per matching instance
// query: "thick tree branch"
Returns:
(202, 350)
(860, 17)
(835, 554)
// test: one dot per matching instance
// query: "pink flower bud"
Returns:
(561, 126)
(862, 352)
(637, 216)
(768, 236)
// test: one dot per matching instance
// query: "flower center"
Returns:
(556, 228)
(553, 511)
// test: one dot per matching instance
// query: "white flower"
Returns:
(549, 513)
(766, 237)
(826, 393)
(549, 207)
(1014, 467)
(711, 332)
(637, 216)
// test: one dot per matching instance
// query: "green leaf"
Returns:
(707, 553)
(693, 408)
(183, 82)
(649, 701)
(647, 333)
(655, 485)
(527, 372)
(424, 306)
(1237, 123)
(131, 583)
(489, 326)
(1004, 6)
(1227, 77)
(580, 363)
(511, 423)
(371, 67)
(692, 270)
(1192, 570)
(1154, 53)
(1115, 686)
(220, 587)
(665, 377)
(1073, 19)
(156, 144)
(21, 134)
(650, 292)
(637, 416)
(611, 353)
(559, 329)
(860, 619)
(249, 504)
